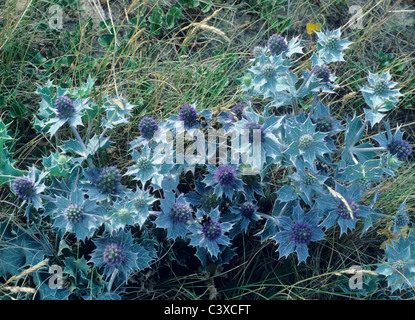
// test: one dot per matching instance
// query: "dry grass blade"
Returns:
(19, 289)
(204, 26)
(355, 271)
(339, 196)
(26, 272)
(336, 195)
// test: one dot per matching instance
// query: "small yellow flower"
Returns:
(313, 27)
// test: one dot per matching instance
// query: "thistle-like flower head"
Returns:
(30, 187)
(102, 183)
(210, 232)
(251, 126)
(77, 215)
(117, 251)
(336, 210)
(277, 45)
(401, 148)
(188, 115)
(307, 143)
(225, 175)
(247, 209)
(399, 265)
(322, 72)
(24, 187)
(401, 219)
(238, 111)
(180, 213)
(109, 180)
(297, 231)
(211, 229)
(65, 107)
(148, 126)
(175, 215)
(268, 71)
(330, 46)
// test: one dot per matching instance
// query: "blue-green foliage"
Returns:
(121, 218)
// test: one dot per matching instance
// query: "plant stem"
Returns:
(47, 198)
(374, 149)
(359, 133)
(78, 137)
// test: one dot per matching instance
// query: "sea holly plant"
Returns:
(278, 165)
(380, 95)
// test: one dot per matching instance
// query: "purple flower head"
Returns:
(322, 72)
(402, 220)
(117, 251)
(180, 213)
(148, 126)
(114, 255)
(344, 213)
(109, 180)
(297, 231)
(225, 175)
(401, 148)
(24, 188)
(251, 126)
(277, 45)
(64, 107)
(247, 209)
(238, 110)
(188, 115)
(324, 123)
(301, 233)
(212, 229)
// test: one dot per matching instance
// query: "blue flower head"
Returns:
(380, 91)
(224, 179)
(117, 251)
(188, 118)
(188, 115)
(64, 107)
(401, 218)
(324, 121)
(308, 182)
(104, 183)
(66, 111)
(297, 232)
(77, 215)
(337, 211)
(209, 233)
(243, 215)
(175, 215)
(380, 95)
(147, 126)
(399, 266)
(30, 187)
(277, 44)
